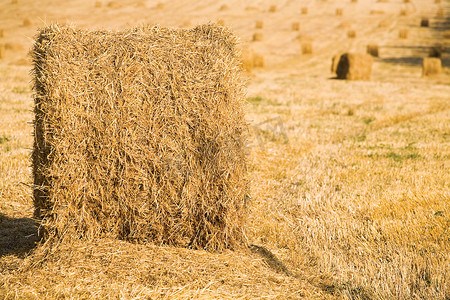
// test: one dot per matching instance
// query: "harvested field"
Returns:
(347, 180)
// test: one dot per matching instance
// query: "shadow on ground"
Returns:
(17, 235)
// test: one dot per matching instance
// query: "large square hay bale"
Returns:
(354, 66)
(139, 135)
(373, 50)
(431, 66)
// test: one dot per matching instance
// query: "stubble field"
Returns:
(349, 179)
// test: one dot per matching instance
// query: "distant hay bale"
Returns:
(431, 66)
(436, 51)
(425, 22)
(223, 7)
(403, 33)
(407, 1)
(258, 60)
(258, 36)
(2, 51)
(354, 66)
(403, 12)
(250, 59)
(440, 12)
(2, 33)
(383, 1)
(384, 23)
(159, 5)
(446, 34)
(437, 1)
(114, 5)
(373, 50)
(296, 26)
(339, 11)
(304, 10)
(140, 135)
(14, 1)
(259, 24)
(354, 1)
(334, 62)
(307, 48)
(26, 22)
(98, 4)
(273, 8)
(377, 12)
(14, 47)
(351, 34)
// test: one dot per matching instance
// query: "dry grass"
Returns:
(182, 180)
(431, 66)
(354, 66)
(349, 180)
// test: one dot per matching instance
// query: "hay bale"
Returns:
(307, 48)
(446, 34)
(2, 51)
(258, 60)
(339, 11)
(114, 5)
(304, 10)
(377, 12)
(14, 1)
(159, 5)
(223, 7)
(351, 34)
(403, 33)
(26, 22)
(98, 4)
(437, 1)
(296, 26)
(440, 12)
(373, 50)
(354, 1)
(273, 8)
(431, 66)
(403, 12)
(384, 23)
(425, 22)
(354, 66)
(139, 135)
(407, 1)
(344, 25)
(436, 51)
(259, 24)
(334, 62)
(258, 36)
(2, 33)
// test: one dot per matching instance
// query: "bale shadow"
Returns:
(18, 236)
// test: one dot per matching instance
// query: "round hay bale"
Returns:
(339, 11)
(307, 48)
(373, 50)
(304, 10)
(140, 136)
(295, 26)
(403, 34)
(259, 24)
(273, 8)
(431, 66)
(354, 66)
(425, 22)
(351, 34)
(257, 37)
